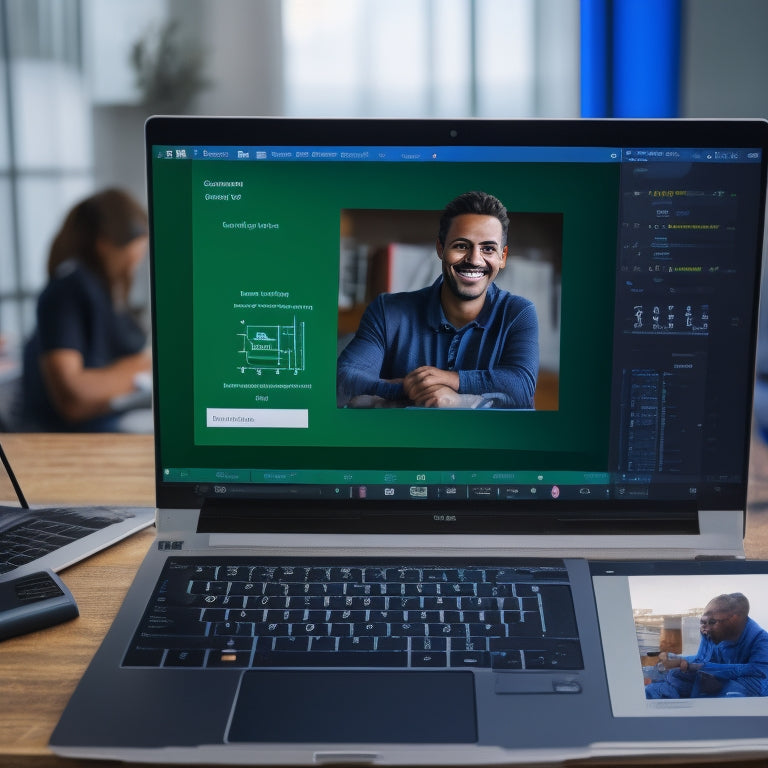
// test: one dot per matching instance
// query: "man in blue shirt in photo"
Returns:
(732, 659)
(461, 337)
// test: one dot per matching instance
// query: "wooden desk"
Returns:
(38, 672)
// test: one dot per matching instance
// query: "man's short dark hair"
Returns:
(473, 202)
(736, 603)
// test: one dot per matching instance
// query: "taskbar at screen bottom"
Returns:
(447, 493)
(405, 492)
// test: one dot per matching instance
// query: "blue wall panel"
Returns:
(630, 58)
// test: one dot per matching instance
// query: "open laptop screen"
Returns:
(633, 261)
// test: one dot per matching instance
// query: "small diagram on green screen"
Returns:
(275, 348)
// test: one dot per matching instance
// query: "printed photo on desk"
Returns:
(685, 643)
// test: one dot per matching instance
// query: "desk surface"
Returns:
(38, 672)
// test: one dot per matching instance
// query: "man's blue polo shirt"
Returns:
(497, 352)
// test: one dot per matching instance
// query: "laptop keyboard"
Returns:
(510, 615)
(53, 529)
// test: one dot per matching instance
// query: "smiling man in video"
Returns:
(457, 341)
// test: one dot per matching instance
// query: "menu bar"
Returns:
(388, 154)
(420, 154)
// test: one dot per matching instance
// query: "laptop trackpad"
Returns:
(355, 706)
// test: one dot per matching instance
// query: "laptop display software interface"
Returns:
(639, 265)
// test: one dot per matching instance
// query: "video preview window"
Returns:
(394, 252)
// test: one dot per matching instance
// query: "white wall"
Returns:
(243, 43)
(725, 58)
(242, 40)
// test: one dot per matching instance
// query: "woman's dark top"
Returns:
(75, 311)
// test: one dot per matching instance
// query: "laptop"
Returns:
(52, 538)
(401, 575)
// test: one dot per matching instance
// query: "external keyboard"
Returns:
(237, 613)
(48, 531)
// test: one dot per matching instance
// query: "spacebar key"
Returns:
(330, 659)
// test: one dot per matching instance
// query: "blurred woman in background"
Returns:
(87, 358)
